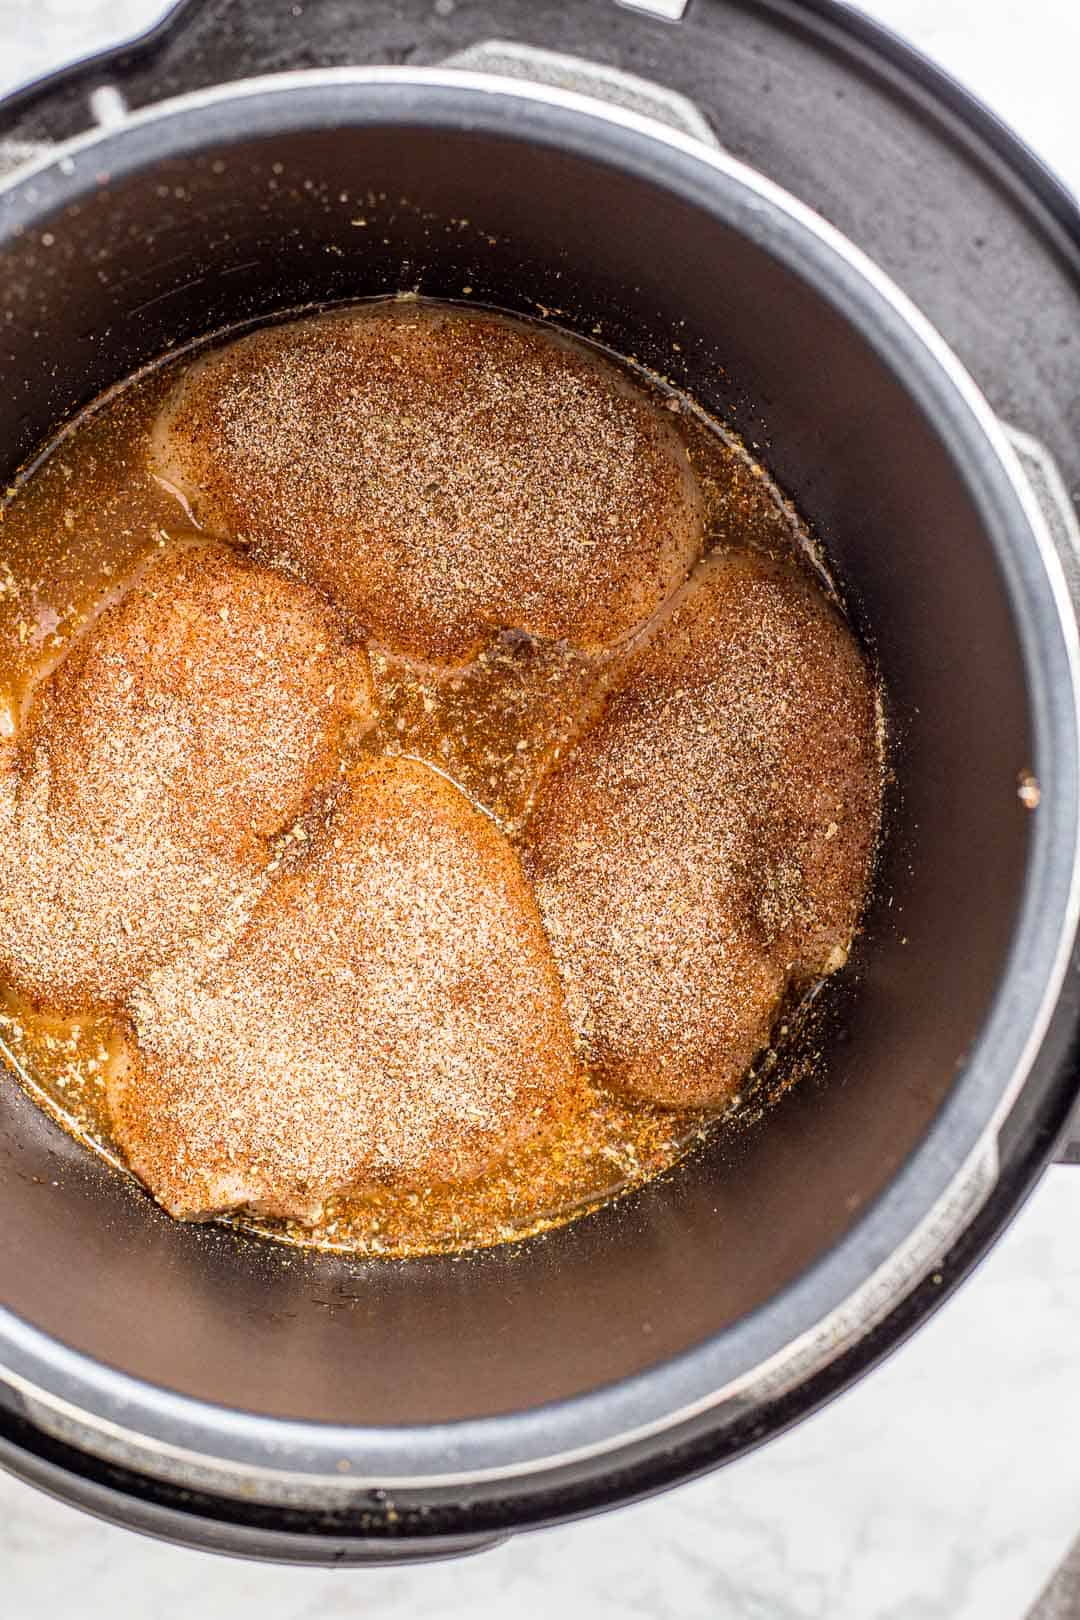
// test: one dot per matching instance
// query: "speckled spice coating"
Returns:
(391, 1010)
(706, 845)
(185, 729)
(441, 474)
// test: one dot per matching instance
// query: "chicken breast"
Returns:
(193, 722)
(391, 1011)
(707, 842)
(441, 475)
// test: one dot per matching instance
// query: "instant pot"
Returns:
(863, 274)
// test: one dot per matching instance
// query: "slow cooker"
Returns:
(863, 274)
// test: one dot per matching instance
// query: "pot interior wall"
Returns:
(159, 251)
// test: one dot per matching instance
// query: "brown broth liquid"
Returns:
(76, 525)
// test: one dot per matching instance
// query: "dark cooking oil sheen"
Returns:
(78, 522)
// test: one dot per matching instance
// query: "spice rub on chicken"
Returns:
(442, 475)
(707, 842)
(392, 1011)
(250, 940)
(191, 723)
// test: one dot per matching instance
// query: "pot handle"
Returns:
(514, 60)
(198, 43)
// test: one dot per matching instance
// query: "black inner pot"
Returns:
(228, 210)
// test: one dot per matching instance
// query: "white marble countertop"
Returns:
(945, 1486)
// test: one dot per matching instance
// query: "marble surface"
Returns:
(945, 1486)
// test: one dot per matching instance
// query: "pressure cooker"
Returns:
(856, 269)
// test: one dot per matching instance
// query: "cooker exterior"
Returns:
(274, 1488)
